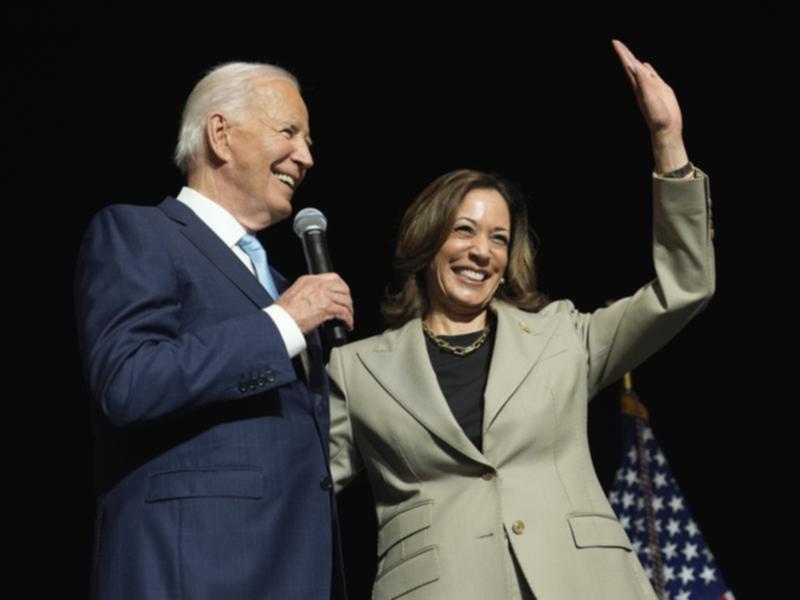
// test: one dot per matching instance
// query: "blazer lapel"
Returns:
(520, 339)
(216, 251)
(402, 367)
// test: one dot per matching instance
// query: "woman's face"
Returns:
(465, 273)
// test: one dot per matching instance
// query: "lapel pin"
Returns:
(524, 327)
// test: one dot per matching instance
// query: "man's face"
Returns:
(269, 152)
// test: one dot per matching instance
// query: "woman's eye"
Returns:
(501, 239)
(464, 228)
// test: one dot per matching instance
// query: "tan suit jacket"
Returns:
(447, 513)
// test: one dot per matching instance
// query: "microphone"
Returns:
(310, 225)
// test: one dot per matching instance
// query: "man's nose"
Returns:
(302, 154)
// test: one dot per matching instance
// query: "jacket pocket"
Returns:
(208, 482)
(407, 560)
(598, 531)
(404, 524)
(409, 575)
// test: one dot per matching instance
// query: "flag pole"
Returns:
(632, 406)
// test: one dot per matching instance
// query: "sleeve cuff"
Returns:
(293, 338)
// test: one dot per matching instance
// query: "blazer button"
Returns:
(488, 476)
(325, 483)
(270, 376)
(243, 387)
(518, 527)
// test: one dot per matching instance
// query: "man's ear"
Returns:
(217, 135)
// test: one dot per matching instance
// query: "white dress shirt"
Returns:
(230, 231)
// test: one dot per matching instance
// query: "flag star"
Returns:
(687, 575)
(683, 595)
(660, 459)
(658, 525)
(676, 503)
(669, 573)
(660, 480)
(670, 550)
(649, 572)
(690, 551)
(658, 503)
(627, 499)
(618, 476)
(647, 434)
(640, 503)
(625, 521)
(613, 497)
(674, 527)
(632, 454)
(636, 545)
(632, 477)
(708, 555)
(708, 575)
(691, 528)
(639, 524)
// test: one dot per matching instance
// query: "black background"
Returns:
(96, 102)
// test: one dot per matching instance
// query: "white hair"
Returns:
(225, 88)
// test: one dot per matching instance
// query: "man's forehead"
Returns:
(277, 95)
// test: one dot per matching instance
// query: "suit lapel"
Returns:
(521, 338)
(213, 248)
(402, 367)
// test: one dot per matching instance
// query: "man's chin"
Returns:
(280, 211)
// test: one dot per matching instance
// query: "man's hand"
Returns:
(314, 299)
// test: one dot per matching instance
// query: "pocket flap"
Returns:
(590, 531)
(201, 483)
(404, 524)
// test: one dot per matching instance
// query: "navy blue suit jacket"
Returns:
(211, 448)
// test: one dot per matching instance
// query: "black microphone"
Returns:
(310, 225)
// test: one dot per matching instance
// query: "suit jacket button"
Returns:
(518, 527)
(325, 483)
(488, 476)
(262, 382)
(243, 387)
(270, 376)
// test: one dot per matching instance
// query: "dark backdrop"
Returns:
(97, 99)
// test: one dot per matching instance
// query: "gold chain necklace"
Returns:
(457, 350)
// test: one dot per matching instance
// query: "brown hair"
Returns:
(425, 228)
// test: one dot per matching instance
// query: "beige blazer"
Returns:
(449, 515)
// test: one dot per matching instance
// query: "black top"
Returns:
(463, 379)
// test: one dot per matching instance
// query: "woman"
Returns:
(469, 414)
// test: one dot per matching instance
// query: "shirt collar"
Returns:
(219, 220)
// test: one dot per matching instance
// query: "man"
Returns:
(211, 434)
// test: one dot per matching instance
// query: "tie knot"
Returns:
(249, 243)
(258, 256)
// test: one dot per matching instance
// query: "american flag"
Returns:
(654, 513)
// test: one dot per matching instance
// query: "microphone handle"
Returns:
(319, 261)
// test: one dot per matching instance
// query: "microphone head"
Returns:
(309, 219)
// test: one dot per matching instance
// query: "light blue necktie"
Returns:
(253, 248)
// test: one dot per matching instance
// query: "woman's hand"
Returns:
(660, 109)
